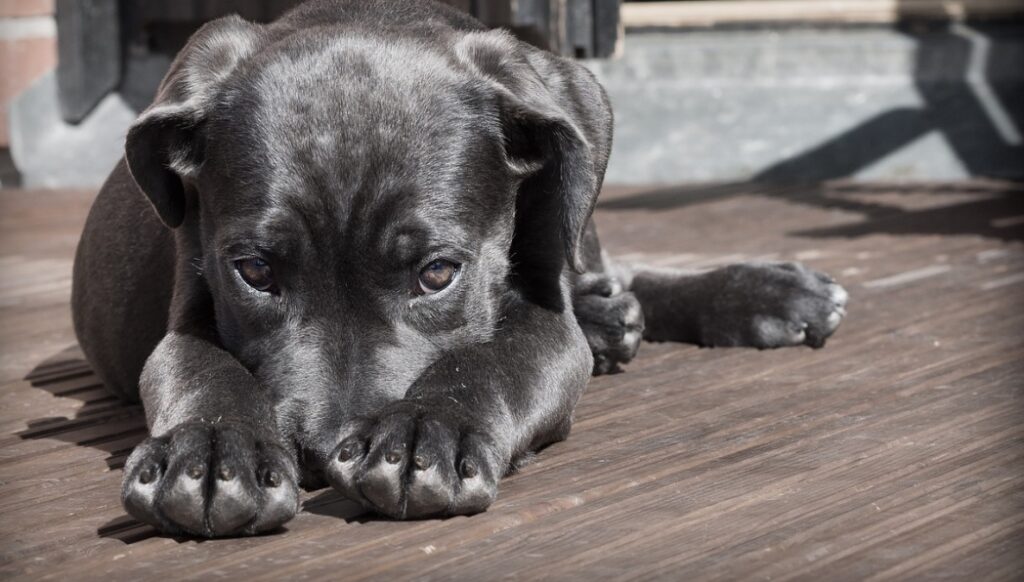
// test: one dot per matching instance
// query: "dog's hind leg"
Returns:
(762, 305)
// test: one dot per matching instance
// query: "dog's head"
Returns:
(360, 205)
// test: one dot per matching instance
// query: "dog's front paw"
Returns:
(772, 305)
(416, 460)
(611, 320)
(210, 480)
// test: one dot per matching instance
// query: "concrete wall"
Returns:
(28, 49)
(869, 103)
(720, 105)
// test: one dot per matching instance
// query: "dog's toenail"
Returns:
(468, 469)
(393, 457)
(421, 462)
(146, 476)
(226, 474)
(345, 454)
(273, 478)
(197, 471)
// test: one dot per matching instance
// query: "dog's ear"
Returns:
(556, 123)
(166, 144)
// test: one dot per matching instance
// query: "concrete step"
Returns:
(798, 103)
(777, 103)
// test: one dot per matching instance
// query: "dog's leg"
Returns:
(215, 464)
(467, 421)
(609, 315)
(611, 319)
(762, 305)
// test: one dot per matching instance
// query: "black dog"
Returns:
(371, 263)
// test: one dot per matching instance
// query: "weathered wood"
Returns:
(579, 24)
(896, 452)
(607, 28)
(573, 28)
(463, 5)
(89, 51)
(202, 10)
(94, 35)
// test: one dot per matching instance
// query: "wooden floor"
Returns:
(893, 453)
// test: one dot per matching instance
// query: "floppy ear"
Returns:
(557, 124)
(166, 144)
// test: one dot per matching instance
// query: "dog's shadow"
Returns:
(102, 422)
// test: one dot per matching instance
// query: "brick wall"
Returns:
(28, 49)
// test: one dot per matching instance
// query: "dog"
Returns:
(354, 247)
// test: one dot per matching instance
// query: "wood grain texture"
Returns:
(894, 453)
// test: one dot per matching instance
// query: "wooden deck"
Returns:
(894, 453)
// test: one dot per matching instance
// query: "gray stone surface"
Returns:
(50, 153)
(712, 106)
(732, 105)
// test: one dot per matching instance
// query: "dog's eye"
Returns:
(256, 273)
(437, 275)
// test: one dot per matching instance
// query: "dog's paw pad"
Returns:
(838, 295)
(771, 305)
(411, 462)
(210, 481)
(775, 331)
(613, 325)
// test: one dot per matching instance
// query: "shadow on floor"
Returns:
(330, 503)
(128, 531)
(102, 422)
(997, 210)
